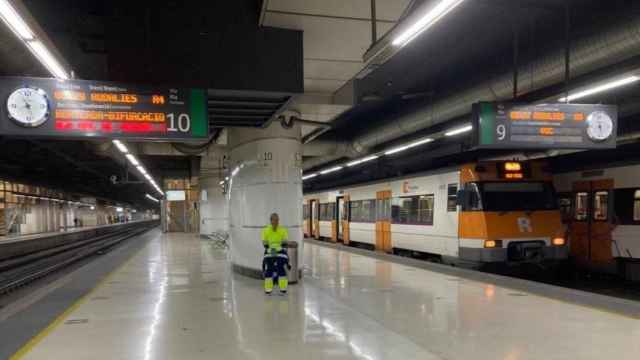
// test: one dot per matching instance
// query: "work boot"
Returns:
(268, 286)
(283, 283)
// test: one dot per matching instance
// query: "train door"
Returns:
(591, 226)
(339, 215)
(383, 221)
(314, 221)
(345, 218)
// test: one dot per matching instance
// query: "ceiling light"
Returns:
(15, 21)
(221, 182)
(396, 150)
(133, 160)
(50, 62)
(310, 176)
(601, 88)
(420, 142)
(148, 176)
(459, 131)
(363, 160)
(141, 169)
(235, 171)
(151, 198)
(431, 17)
(122, 147)
(333, 169)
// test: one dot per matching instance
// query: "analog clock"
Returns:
(28, 106)
(599, 126)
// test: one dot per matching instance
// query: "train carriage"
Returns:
(602, 210)
(489, 212)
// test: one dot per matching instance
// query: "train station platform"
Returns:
(177, 298)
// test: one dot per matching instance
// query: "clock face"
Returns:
(28, 107)
(599, 126)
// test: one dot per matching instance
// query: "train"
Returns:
(601, 209)
(476, 214)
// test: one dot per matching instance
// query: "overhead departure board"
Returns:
(50, 108)
(545, 126)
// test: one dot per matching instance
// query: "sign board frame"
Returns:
(85, 109)
(504, 125)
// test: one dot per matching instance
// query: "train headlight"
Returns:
(490, 244)
(558, 241)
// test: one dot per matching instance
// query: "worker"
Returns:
(275, 257)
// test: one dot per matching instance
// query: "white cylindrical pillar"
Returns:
(266, 177)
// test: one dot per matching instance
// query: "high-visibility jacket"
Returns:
(274, 238)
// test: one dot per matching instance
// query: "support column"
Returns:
(265, 177)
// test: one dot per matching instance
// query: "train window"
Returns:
(564, 203)
(601, 206)
(452, 197)
(472, 198)
(369, 210)
(363, 211)
(517, 196)
(425, 209)
(416, 210)
(383, 209)
(305, 211)
(582, 206)
(636, 206)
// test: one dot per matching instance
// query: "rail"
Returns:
(25, 268)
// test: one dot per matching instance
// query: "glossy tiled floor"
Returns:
(177, 299)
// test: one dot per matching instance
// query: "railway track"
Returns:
(21, 270)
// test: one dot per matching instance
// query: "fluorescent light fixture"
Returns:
(221, 182)
(15, 21)
(396, 150)
(333, 169)
(425, 22)
(310, 176)
(601, 88)
(420, 142)
(151, 198)
(363, 160)
(409, 146)
(459, 131)
(235, 171)
(148, 177)
(132, 159)
(122, 147)
(141, 169)
(50, 62)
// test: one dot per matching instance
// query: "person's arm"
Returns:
(264, 238)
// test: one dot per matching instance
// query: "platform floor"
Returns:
(177, 299)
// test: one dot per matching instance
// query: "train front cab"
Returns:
(509, 214)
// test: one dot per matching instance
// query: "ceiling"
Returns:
(466, 49)
(336, 34)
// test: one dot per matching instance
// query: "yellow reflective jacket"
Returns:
(274, 238)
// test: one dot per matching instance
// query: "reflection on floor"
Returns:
(177, 299)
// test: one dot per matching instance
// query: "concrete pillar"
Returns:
(266, 177)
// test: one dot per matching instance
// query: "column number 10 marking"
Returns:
(183, 123)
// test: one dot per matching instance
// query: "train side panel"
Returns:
(364, 230)
(439, 236)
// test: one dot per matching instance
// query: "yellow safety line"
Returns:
(26, 348)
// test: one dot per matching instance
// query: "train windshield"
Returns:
(517, 196)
